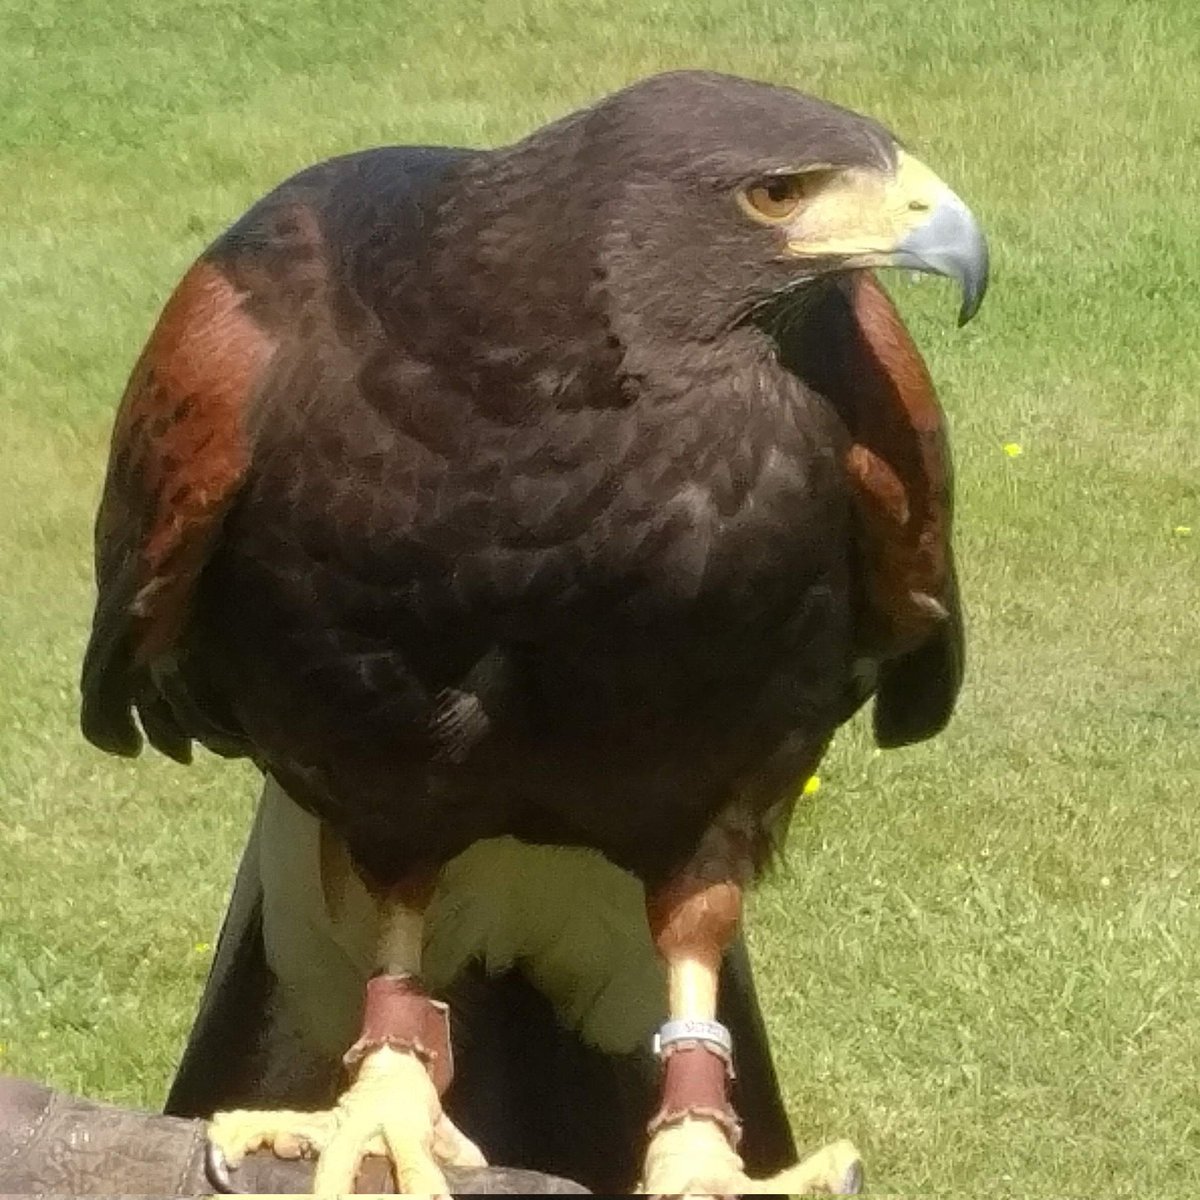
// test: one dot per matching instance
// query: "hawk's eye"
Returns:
(778, 196)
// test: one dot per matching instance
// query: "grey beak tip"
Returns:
(974, 281)
(970, 306)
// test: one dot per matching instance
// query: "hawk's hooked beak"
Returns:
(907, 218)
(949, 242)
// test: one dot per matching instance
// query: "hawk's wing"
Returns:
(859, 355)
(231, 351)
(180, 450)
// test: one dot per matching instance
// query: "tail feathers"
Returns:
(244, 1050)
(767, 1144)
(234, 1003)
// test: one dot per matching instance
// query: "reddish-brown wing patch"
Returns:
(900, 471)
(179, 452)
(179, 446)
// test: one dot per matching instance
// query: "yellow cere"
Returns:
(1013, 449)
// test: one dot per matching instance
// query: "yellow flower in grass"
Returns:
(1182, 531)
(202, 947)
(813, 785)
(1013, 449)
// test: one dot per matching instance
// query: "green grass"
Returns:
(981, 960)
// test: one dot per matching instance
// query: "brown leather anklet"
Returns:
(400, 1014)
(695, 1084)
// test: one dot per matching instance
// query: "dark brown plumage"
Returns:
(533, 491)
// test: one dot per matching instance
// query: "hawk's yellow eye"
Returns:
(777, 197)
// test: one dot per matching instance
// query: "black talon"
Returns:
(217, 1170)
(852, 1181)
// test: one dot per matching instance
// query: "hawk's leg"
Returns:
(401, 1065)
(694, 1136)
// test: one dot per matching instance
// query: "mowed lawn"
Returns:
(981, 959)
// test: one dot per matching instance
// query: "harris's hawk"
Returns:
(532, 517)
